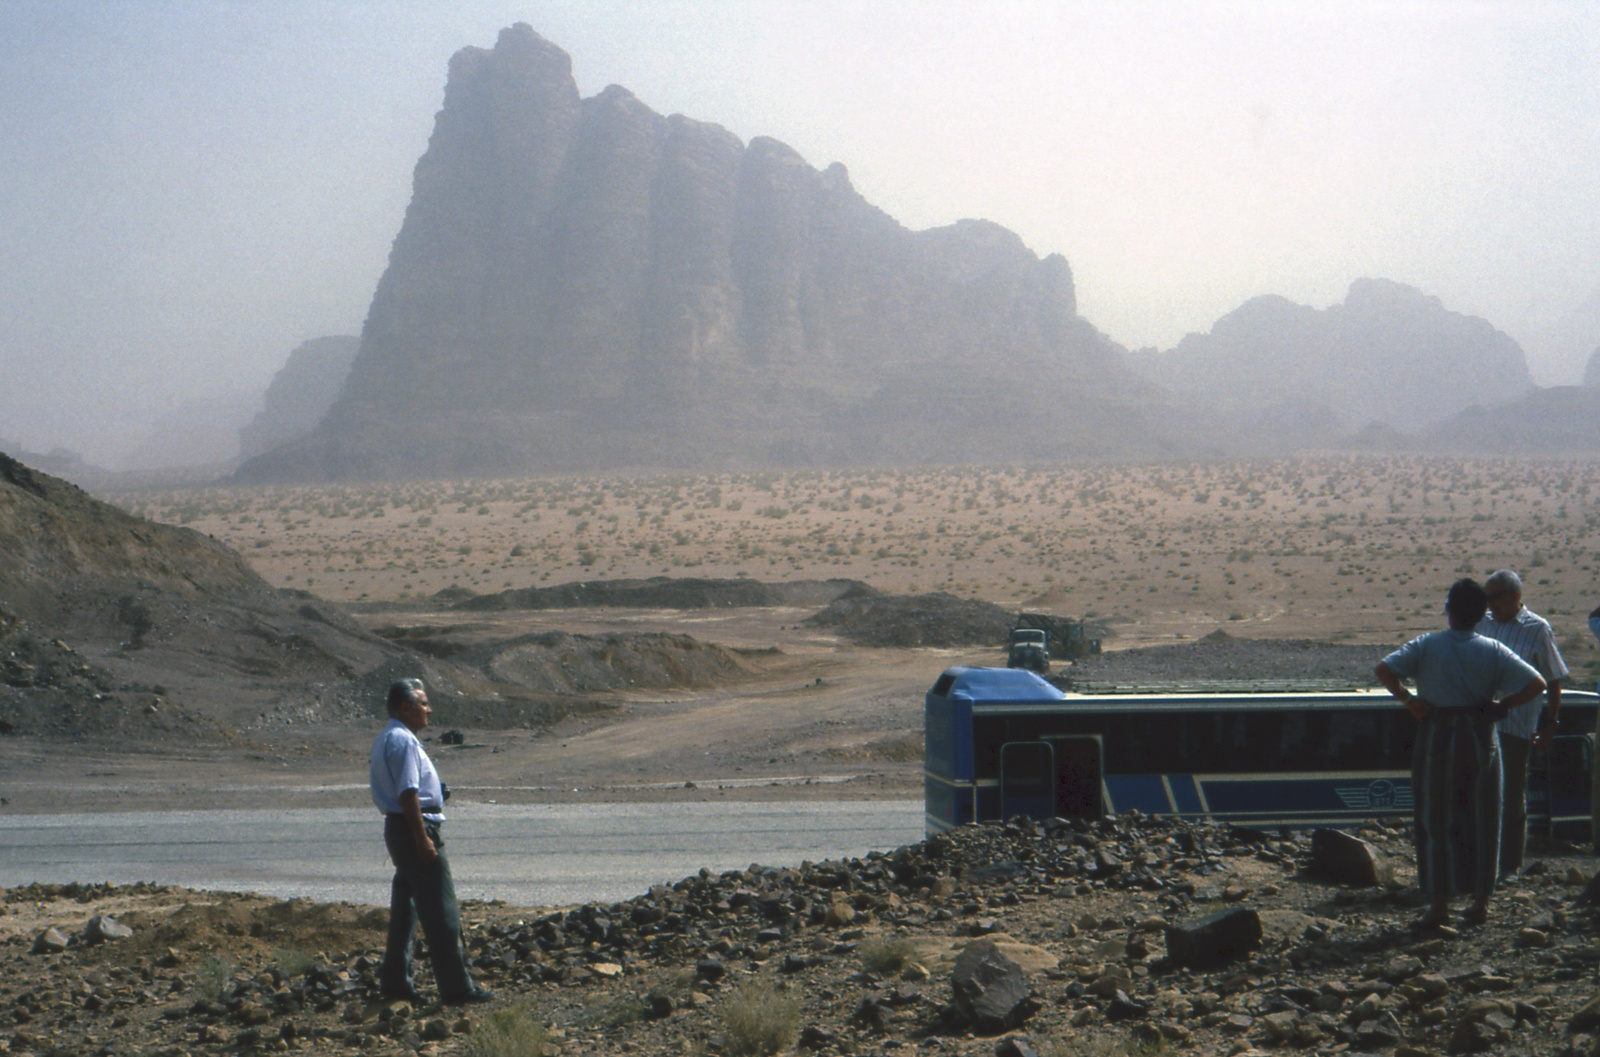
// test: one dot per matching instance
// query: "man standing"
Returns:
(1531, 726)
(1455, 766)
(406, 788)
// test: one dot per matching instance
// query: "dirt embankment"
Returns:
(664, 592)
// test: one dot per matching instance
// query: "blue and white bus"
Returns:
(1002, 742)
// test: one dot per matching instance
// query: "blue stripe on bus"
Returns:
(1185, 794)
(1142, 791)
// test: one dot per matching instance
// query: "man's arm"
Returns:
(1418, 708)
(1535, 687)
(1552, 709)
(411, 808)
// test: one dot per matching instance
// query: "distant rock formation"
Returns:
(1562, 420)
(199, 432)
(300, 394)
(1591, 372)
(1388, 354)
(63, 462)
(584, 283)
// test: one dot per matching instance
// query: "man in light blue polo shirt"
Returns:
(1465, 683)
(406, 788)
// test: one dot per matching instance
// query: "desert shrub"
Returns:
(514, 1032)
(214, 974)
(614, 1010)
(887, 955)
(759, 1020)
(293, 961)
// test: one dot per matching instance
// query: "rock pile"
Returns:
(1132, 934)
(905, 621)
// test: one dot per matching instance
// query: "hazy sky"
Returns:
(191, 189)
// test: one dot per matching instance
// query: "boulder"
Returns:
(1214, 940)
(1344, 857)
(103, 927)
(990, 990)
(1586, 1018)
(51, 941)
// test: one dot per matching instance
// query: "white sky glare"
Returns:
(191, 189)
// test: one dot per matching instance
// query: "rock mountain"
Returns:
(300, 394)
(1388, 355)
(584, 283)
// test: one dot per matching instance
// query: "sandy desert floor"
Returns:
(1337, 547)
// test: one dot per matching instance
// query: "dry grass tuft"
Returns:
(759, 1020)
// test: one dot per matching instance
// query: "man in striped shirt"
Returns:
(1530, 726)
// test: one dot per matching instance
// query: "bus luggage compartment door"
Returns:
(1078, 778)
(1568, 778)
(1027, 779)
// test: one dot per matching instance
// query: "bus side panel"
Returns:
(1308, 799)
(947, 736)
(946, 804)
(986, 797)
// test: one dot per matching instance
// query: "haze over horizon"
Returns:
(196, 188)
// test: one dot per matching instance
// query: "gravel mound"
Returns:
(1221, 658)
(936, 619)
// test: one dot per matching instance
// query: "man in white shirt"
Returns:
(406, 788)
(1531, 726)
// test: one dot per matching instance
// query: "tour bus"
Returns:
(1002, 742)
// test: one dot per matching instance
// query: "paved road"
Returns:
(528, 855)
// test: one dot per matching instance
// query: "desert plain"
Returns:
(1350, 551)
(1336, 547)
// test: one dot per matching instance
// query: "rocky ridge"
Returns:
(1128, 935)
(1387, 354)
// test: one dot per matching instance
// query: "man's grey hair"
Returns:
(1505, 580)
(403, 692)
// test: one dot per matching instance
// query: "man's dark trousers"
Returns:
(421, 893)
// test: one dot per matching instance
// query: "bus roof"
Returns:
(995, 684)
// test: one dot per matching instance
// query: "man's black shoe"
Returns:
(408, 994)
(471, 998)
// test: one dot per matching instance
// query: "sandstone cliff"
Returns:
(1388, 354)
(585, 283)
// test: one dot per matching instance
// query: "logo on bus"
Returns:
(1379, 794)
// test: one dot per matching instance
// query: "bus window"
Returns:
(1355, 742)
(1294, 742)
